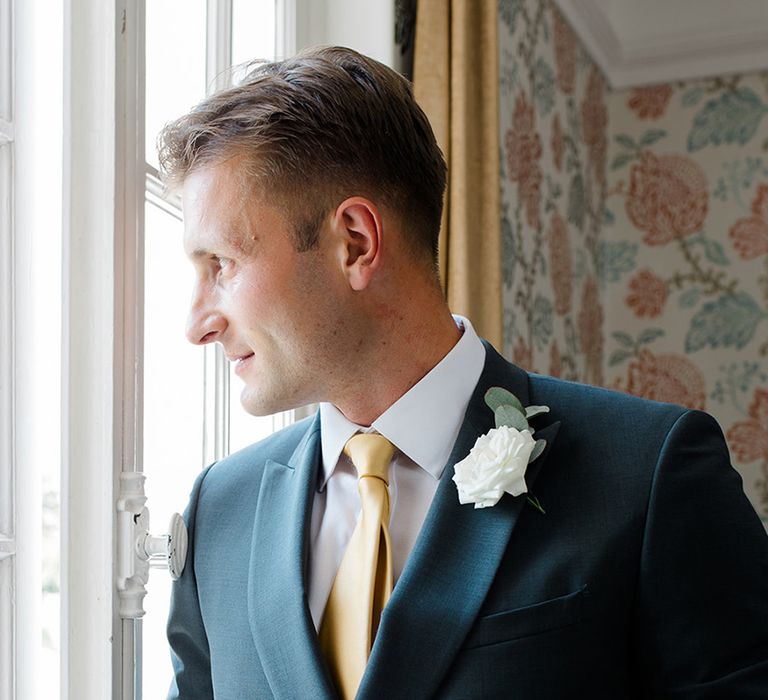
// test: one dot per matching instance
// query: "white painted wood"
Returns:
(7, 296)
(7, 657)
(92, 344)
(657, 41)
(156, 193)
(286, 22)
(218, 44)
(6, 60)
(7, 462)
(35, 245)
(130, 176)
(6, 132)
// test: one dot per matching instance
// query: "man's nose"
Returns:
(204, 324)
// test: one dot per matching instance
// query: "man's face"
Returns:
(269, 306)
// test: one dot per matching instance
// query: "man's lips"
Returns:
(240, 360)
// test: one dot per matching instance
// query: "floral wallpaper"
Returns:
(554, 141)
(685, 238)
(635, 228)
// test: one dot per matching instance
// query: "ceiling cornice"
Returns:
(629, 55)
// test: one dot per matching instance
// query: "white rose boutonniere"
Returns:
(497, 462)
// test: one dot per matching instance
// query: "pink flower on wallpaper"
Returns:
(590, 329)
(647, 294)
(594, 123)
(650, 102)
(668, 378)
(522, 355)
(750, 236)
(667, 197)
(523, 152)
(557, 144)
(565, 52)
(560, 263)
(555, 360)
(748, 439)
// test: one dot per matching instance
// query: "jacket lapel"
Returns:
(281, 623)
(452, 565)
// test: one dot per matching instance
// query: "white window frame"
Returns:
(102, 326)
(93, 336)
(105, 184)
(8, 564)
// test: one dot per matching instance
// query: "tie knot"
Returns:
(371, 454)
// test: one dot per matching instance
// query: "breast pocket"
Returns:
(546, 616)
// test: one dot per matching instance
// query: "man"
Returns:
(312, 196)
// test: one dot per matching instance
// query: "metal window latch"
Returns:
(138, 550)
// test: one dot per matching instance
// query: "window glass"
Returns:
(175, 63)
(253, 30)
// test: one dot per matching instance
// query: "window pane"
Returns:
(253, 30)
(175, 46)
(173, 416)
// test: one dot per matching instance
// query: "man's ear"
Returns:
(358, 227)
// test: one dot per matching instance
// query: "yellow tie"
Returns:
(363, 582)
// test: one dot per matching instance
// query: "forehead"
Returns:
(221, 210)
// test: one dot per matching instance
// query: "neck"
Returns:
(395, 354)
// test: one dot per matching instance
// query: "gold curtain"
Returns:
(455, 78)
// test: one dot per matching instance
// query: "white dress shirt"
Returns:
(422, 425)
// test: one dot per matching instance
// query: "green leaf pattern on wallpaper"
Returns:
(689, 187)
(635, 230)
(731, 117)
(554, 145)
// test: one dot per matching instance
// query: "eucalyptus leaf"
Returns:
(510, 416)
(532, 411)
(538, 448)
(497, 396)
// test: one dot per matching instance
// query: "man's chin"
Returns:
(259, 405)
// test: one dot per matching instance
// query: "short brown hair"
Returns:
(324, 125)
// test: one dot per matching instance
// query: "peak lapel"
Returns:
(281, 623)
(452, 565)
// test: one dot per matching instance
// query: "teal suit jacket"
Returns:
(646, 578)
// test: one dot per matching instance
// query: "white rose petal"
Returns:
(495, 465)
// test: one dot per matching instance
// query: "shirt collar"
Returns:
(425, 421)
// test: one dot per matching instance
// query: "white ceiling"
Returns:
(637, 42)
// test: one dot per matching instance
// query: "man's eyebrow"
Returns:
(199, 253)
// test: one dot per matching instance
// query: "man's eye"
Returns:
(224, 264)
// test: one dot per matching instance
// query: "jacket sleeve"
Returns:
(702, 627)
(190, 654)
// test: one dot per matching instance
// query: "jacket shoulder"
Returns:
(602, 409)
(246, 466)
